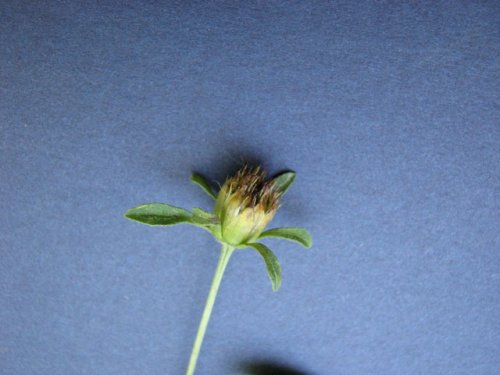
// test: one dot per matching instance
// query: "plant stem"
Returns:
(225, 254)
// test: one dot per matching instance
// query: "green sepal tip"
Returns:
(283, 181)
(204, 184)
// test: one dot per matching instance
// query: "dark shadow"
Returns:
(218, 168)
(226, 164)
(266, 367)
(231, 160)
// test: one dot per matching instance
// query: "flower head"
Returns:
(244, 206)
(246, 203)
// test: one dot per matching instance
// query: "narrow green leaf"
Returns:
(272, 264)
(207, 221)
(199, 212)
(283, 181)
(299, 235)
(202, 217)
(158, 214)
(203, 183)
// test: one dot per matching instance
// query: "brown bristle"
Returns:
(251, 183)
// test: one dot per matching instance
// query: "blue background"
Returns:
(387, 111)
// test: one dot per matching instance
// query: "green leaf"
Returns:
(203, 183)
(207, 221)
(272, 264)
(283, 181)
(199, 212)
(299, 235)
(158, 214)
(202, 217)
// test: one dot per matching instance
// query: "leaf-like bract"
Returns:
(299, 235)
(283, 181)
(203, 183)
(158, 214)
(272, 264)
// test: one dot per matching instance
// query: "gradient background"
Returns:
(387, 111)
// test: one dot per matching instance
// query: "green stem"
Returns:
(225, 254)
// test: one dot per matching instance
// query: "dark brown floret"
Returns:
(251, 185)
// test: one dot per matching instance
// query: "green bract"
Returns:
(244, 206)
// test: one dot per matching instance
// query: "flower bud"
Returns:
(245, 205)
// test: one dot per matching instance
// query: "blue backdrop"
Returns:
(387, 111)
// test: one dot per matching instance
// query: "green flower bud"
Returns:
(245, 205)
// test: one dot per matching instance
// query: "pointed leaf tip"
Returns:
(204, 184)
(272, 264)
(284, 181)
